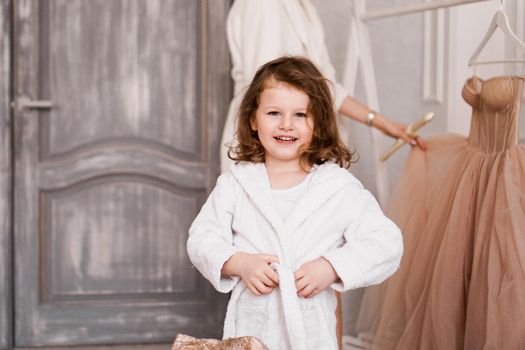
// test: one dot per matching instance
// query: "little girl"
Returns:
(289, 224)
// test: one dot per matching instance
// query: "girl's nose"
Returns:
(286, 122)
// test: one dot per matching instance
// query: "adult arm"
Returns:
(355, 110)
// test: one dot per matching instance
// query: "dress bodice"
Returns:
(495, 111)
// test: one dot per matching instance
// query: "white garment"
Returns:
(336, 219)
(259, 31)
(285, 200)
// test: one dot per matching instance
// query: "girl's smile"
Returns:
(285, 138)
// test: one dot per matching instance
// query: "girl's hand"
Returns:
(398, 130)
(313, 277)
(254, 270)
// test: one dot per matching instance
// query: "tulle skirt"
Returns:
(461, 283)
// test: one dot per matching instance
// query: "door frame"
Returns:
(6, 178)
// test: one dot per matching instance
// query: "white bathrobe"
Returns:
(259, 31)
(336, 219)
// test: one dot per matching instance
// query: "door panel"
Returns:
(108, 180)
(130, 259)
(136, 64)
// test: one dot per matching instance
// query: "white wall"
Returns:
(470, 24)
(421, 63)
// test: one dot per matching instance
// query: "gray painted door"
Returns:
(108, 180)
(5, 178)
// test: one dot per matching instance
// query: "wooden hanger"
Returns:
(501, 21)
(411, 130)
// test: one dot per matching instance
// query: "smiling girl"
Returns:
(289, 224)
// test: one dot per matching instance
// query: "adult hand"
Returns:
(313, 277)
(356, 110)
(398, 130)
(254, 270)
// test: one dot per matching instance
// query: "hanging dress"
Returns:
(461, 208)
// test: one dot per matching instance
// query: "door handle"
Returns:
(26, 103)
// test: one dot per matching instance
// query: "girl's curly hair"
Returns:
(302, 74)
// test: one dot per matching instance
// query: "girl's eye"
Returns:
(300, 115)
(273, 113)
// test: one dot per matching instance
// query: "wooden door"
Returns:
(110, 176)
(5, 179)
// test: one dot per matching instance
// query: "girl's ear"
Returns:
(253, 125)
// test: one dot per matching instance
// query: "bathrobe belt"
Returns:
(293, 317)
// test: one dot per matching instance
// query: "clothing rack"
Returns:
(403, 10)
(359, 57)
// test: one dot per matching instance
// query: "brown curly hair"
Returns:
(302, 74)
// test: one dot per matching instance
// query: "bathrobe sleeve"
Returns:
(210, 242)
(373, 246)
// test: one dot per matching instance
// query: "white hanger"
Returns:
(501, 21)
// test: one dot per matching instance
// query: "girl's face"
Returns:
(282, 124)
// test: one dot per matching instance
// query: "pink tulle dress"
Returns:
(461, 208)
